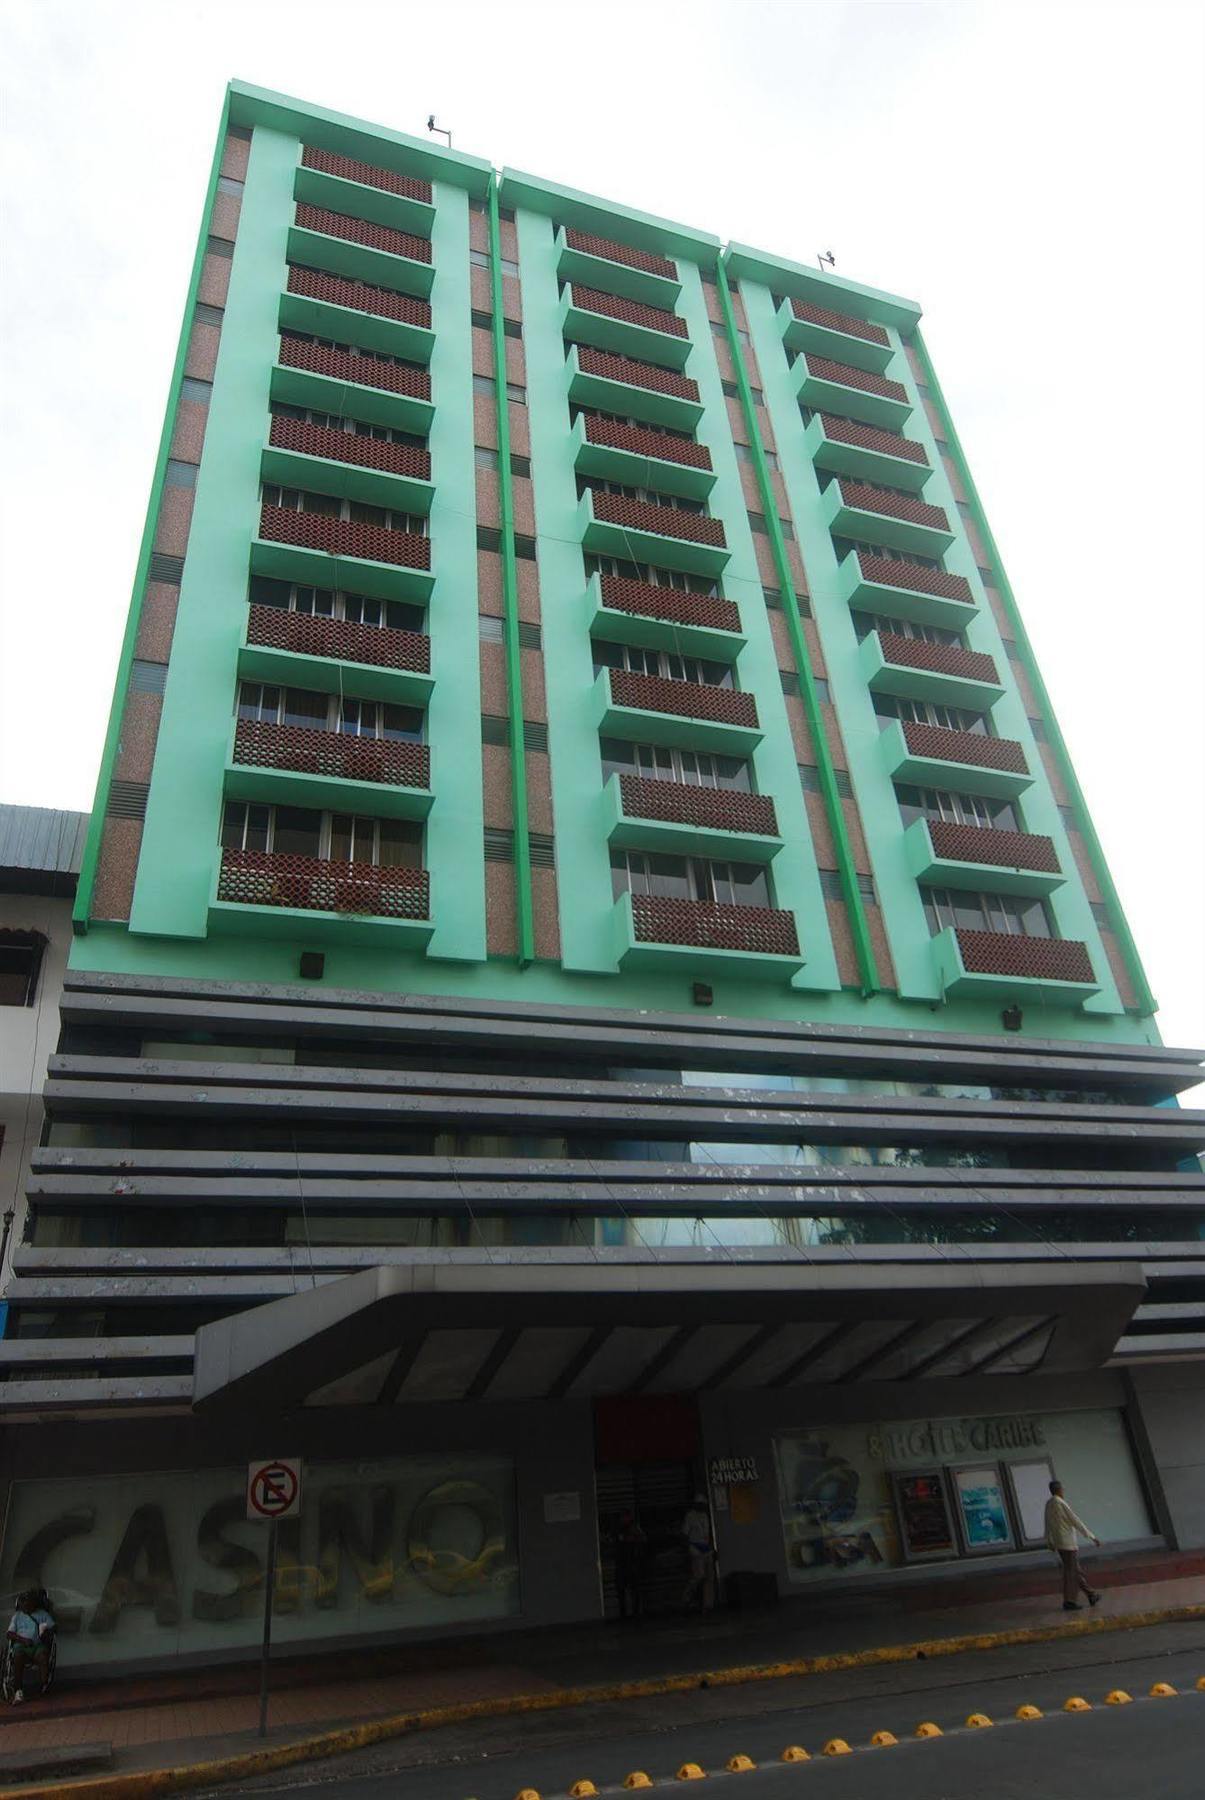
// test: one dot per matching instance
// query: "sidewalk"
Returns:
(184, 1718)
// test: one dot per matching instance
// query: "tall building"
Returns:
(593, 976)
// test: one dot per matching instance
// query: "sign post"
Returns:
(273, 1493)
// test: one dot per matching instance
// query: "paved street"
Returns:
(1153, 1746)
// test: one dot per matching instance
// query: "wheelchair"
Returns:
(33, 1671)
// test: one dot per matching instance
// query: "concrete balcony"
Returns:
(904, 590)
(756, 943)
(334, 656)
(640, 456)
(962, 762)
(854, 509)
(866, 453)
(692, 715)
(641, 531)
(638, 390)
(616, 268)
(334, 553)
(625, 327)
(919, 670)
(363, 190)
(323, 460)
(357, 312)
(620, 611)
(681, 818)
(307, 898)
(295, 765)
(995, 965)
(361, 250)
(836, 387)
(366, 387)
(942, 853)
(855, 342)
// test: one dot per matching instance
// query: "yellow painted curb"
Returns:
(1027, 1712)
(142, 1784)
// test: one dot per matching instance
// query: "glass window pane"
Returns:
(297, 831)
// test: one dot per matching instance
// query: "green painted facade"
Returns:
(177, 925)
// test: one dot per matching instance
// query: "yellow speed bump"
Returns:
(794, 1753)
(582, 1790)
(736, 1765)
(636, 1779)
(1076, 1703)
(528, 1794)
(1028, 1712)
(689, 1772)
(977, 1721)
(836, 1747)
(1201, 1684)
(1162, 1690)
(883, 1738)
(928, 1729)
(1118, 1697)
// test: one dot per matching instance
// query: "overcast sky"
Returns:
(1031, 173)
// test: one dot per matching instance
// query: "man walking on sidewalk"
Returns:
(1061, 1528)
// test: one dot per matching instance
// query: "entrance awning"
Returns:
(534, 1325)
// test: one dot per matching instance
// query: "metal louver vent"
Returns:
(535, 735)
(844, 784)
(127, 799)
(167, 569)
(500, 847)
(495, 729)
(147, 677)
(529, 635)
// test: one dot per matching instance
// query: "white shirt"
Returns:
(696, 1529)
(1062, 1524)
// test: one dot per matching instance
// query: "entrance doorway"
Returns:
(648, 1468)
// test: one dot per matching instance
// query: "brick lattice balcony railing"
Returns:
(687, 699)
(669, 603)
(824, 369)
(632, 312)
(763, 930)
(1031, 958)
(329, 162)
(589, 245)
(347, 447)
(942, 659)
(667, 521)
(872, 437)
(342, 640)
(261, 878)
(834, 321)
(363, 231)
(892, 506)
(892, 571)
(259, 744)
(360, 296)
(685, 803)
(1003, 849)
(939, 742)
(338, 537)
(643, 440)
(635, 373)
(366, 370)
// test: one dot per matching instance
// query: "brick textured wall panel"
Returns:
(684, 803)
(495, 697)
(539, 791)
(631, 312)
(834, 321)
(636, 373)
(259, 744)
(686, 699)
(360, 296)
(215, 280)
(892, 506)
(497, 797)
(336, 537)
(157, 622)
(589, 245)
(524, 497)
(174, 521)
(1003, 849)
(347, 168)
(667, 521)
(825, 369)
(669, 603)
(545, 914)
(139, 733)
(364, 370)
(1029, 958)
(236, 153)
(117, 868)
(223, 221)
(893, 572)
(202, 357)
(347, 447)
(762, 930)
(188, 432)
(965, 747)
(841, 933)
(260, 878)
(872, 437)
(643, 440)
(363, 231)
(531, 672)
(343, 640)
(501, 930)
(942, 659)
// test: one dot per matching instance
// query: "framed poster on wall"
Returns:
(982, 1508)
(922, 1508)
(1030, 1482)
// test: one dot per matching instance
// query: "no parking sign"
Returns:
(274, 1488)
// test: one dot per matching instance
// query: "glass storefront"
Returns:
(168, 1564)
(857, 1500)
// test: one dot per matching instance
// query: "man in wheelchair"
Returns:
(31, 1638)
